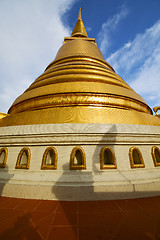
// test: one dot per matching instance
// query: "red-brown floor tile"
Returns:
(108, 205)
(67, 206)
(14, 224)
(36, 216)
(8, 213)
(3, 199)
(63, 233)
(152, 202)
(156, 226)
(62, 219)
(128, 204)
(47, 206)
(121, 204)
(127, 232)
(112, 220)
(28, 204)
(29, 233)
(11, 203)
(93, 233)
(118, 219)
(153, 212)
(157, 233)
(88, 206)
(140, 221)
(44, 226)
(90, 219)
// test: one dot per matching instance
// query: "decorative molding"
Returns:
(79, 99)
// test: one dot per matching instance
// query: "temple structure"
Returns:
(80, 153)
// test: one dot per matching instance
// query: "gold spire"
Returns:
(79, 29)
(80, 14)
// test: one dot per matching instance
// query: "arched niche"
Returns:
(107, 158)
(136, 159)
(23, 160)
(49, 160)
(3, 157)
(156, 156)
(77, 159)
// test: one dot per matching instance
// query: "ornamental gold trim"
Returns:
(79, 99)
(132, 163)
(102, 164)
(85, 70)
(5, 150)
(72, 156)
(67, 39)
(80, 114)
(154, 148)
(78, 76)
(156, 109)
(46, 166)
(77, 58)
(23, 166)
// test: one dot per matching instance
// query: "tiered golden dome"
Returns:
(79, 86)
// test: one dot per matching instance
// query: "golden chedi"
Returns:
(78, 137)
(79, 126)
(79, 86)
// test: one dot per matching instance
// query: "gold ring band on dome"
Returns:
(78, 73)
(78, 78)
(81, 58)
(79, 99)
(80, 69)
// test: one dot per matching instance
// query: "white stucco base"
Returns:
(89, 184)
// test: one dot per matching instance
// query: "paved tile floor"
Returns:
(23, 219)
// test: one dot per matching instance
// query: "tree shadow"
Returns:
(83, 188)
(4, 178)
(21, 230)
(88, 213)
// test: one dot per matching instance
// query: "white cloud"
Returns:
(31, 33)
(109, 26)
(147, 79)
(138, 62)
(88, 29)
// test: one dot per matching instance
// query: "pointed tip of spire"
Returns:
(80, 14)
(79, 29)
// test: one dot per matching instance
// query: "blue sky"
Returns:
(126, 31)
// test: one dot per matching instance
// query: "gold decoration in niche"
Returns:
(77, 159)
(107, 158)
(136, 159)
(23, 160)
(156, 156)
(3, 157)
(49, 160)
